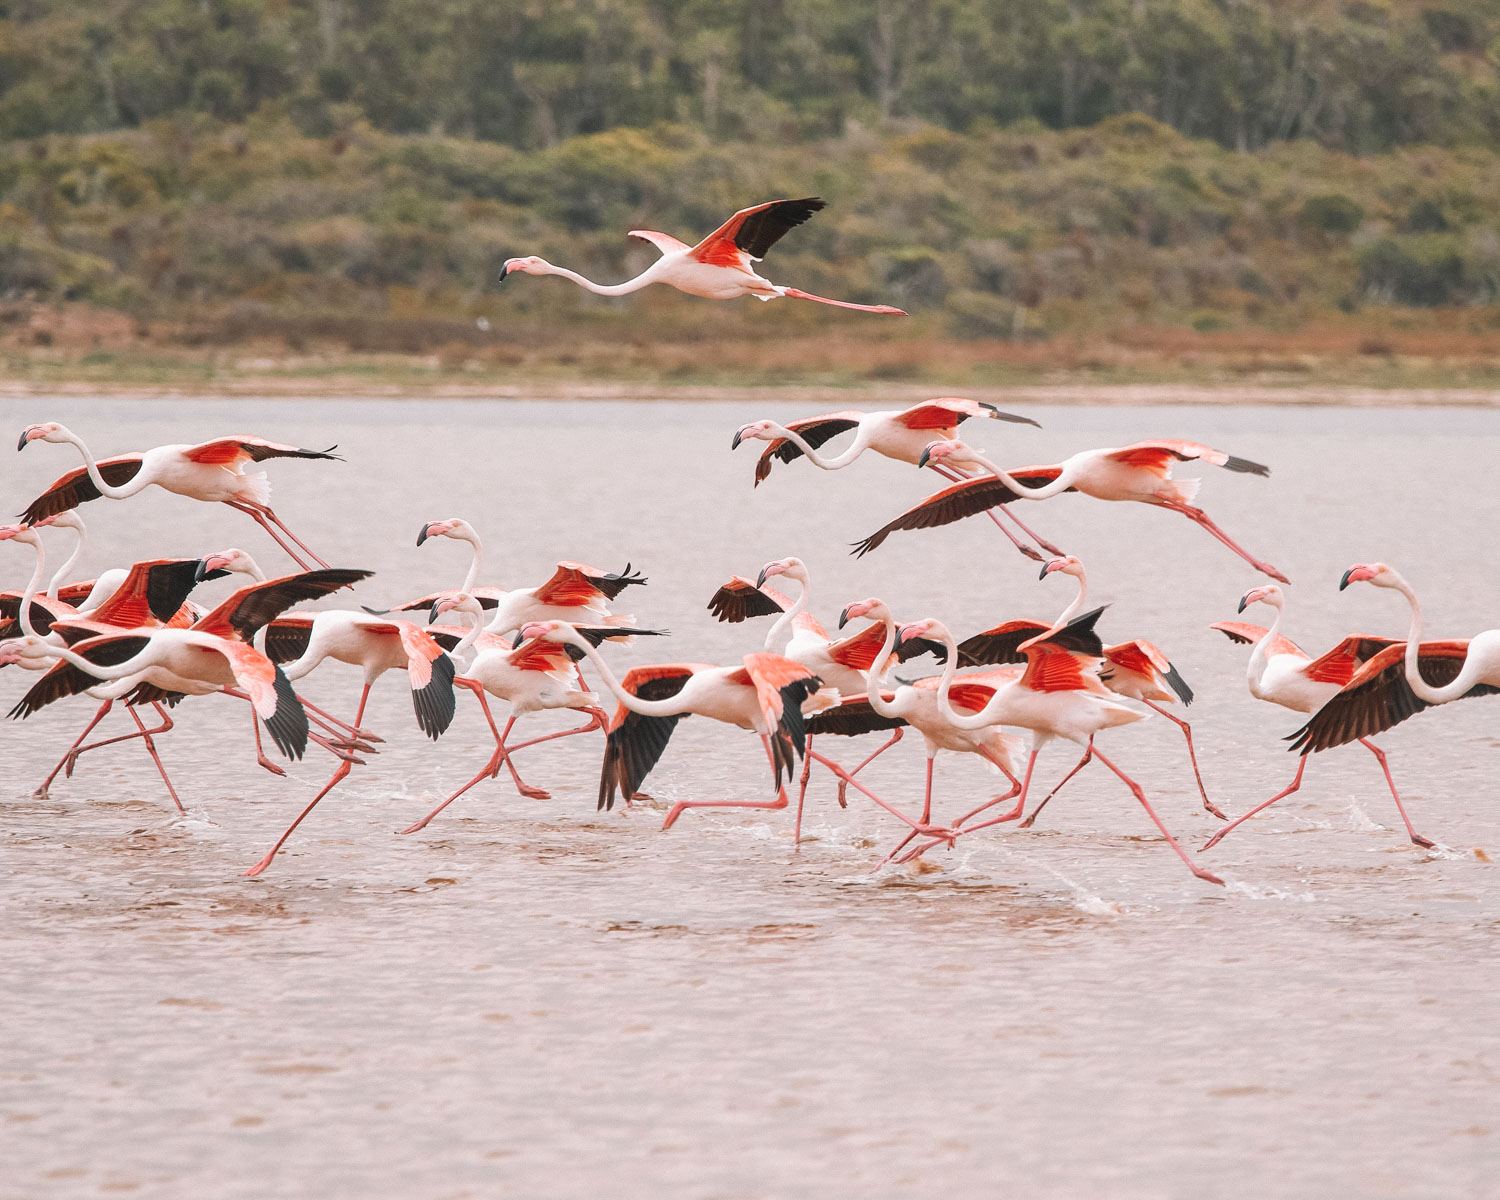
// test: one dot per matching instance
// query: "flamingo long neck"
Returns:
(1467, 675)
(472, 577)
(784, 622)
(1260, 655)
(644, 279)
(62, 571)
(1061, 484)
(979, 720)
(849, 454)
(124, 492)
(130, 666)
(670, 706)
(876, 675)
(38, 570)
(476, 626)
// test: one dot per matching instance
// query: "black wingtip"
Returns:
(1179, 685)
(997, 414)
(1245, 466)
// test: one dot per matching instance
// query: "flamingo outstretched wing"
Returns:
(75, 488)
(1157, 457)
(853, 717)
(231, 451)
(815, 431)
(1147, 659)
(64, 679)
(635, 742)
(574, 584)
(740, 599)
(1340, 664)
(752, 231)
(247, 610)
(967, 498)
(948, 412)
(1247, 634)
(664, 242)
(429, 672)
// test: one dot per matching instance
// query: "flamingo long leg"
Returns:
(1088, 754)
(926, 812)
(1140, 795)
(890, 808)
(526, 789)
(1187, 733)
(802, 796)
(256, 515)
(989, 804)
(844, 781)
(880, 309)
(1032, 533)
(1202, 518)
(155, 757)
(781, 800)
(1395, 795)
(341, 772)
(301, 545)
(99, 714)
(1264, 804)
(166, 726)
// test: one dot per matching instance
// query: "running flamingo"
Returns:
(720, 267)
(532, 676)
(1136, 670)
(900, 434)
(1058, 696)
(213, 472)
(766, 694)
(1281, 672)
(1141, 472)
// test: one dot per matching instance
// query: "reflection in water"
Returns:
(532, 998)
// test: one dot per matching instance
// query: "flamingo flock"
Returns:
(134, 638)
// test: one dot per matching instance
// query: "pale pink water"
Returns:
(530, 999)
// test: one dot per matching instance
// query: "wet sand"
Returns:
(530, 998)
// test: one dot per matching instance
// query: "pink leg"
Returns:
(41, 792)
(1281, 795)
(802, 796)
(260, 749)
(994, 517)
(845, 780)
(1032, 533)
(531, 793)
(1135, 788)
(943, 833)
(259, 518)
(1395, 795)
(165, 727)
(926, 818)
(1088, 753)
(486, 772)
(1187, 732)
(1025, 789)
(682, 806)
(882, 309)
(301, 545)
(155, 757)
(1202, 518)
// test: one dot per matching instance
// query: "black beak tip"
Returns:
(738, 438)
(760, 579)
(516, 641)
(1043, 574)
(843, 618)
(926, 454)
(202, 569)
(1241, 608)
(1344, 580)
(433, 615)
(21, 445)
(422, 535)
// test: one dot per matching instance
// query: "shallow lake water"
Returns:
(534, 999)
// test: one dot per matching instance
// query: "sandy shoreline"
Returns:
(1083, 393)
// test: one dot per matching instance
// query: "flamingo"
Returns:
(720, 267)
(212, 472)
(915, 704)
(1403, 679)
(1281, 672)
(574, 592)
(843, 665)
(1136, 670)
(532, 676)
(900, 434)
(1140, 472)
(765, 694)
(1057, 696)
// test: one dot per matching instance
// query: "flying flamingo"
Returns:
(766, 694)
(1140, 472)
(720, 267)
(1136, 670)
(1281, 672)
(531, 676)
(210, 471)
(574, 592)
(1057, 696)
(900, 434)
(915, 704)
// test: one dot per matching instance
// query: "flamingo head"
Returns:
(530, 265)
(792, 568)
(756, 431)
(1068, 564)
(1376, 573)
(14, 649)
(454, 527)
(1270, 594)
(874, 609)
(927, 629)
(63, 520)
(460, 602)
(235, 560)
(547, 631)
(47, 431)
(20, 533)
(952, 453)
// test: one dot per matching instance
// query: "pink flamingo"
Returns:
(1057, 696)
(1141, 472)
(899, 434)
(720, 267)
(212, 472)
(1281, 672)
(1136, 670)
